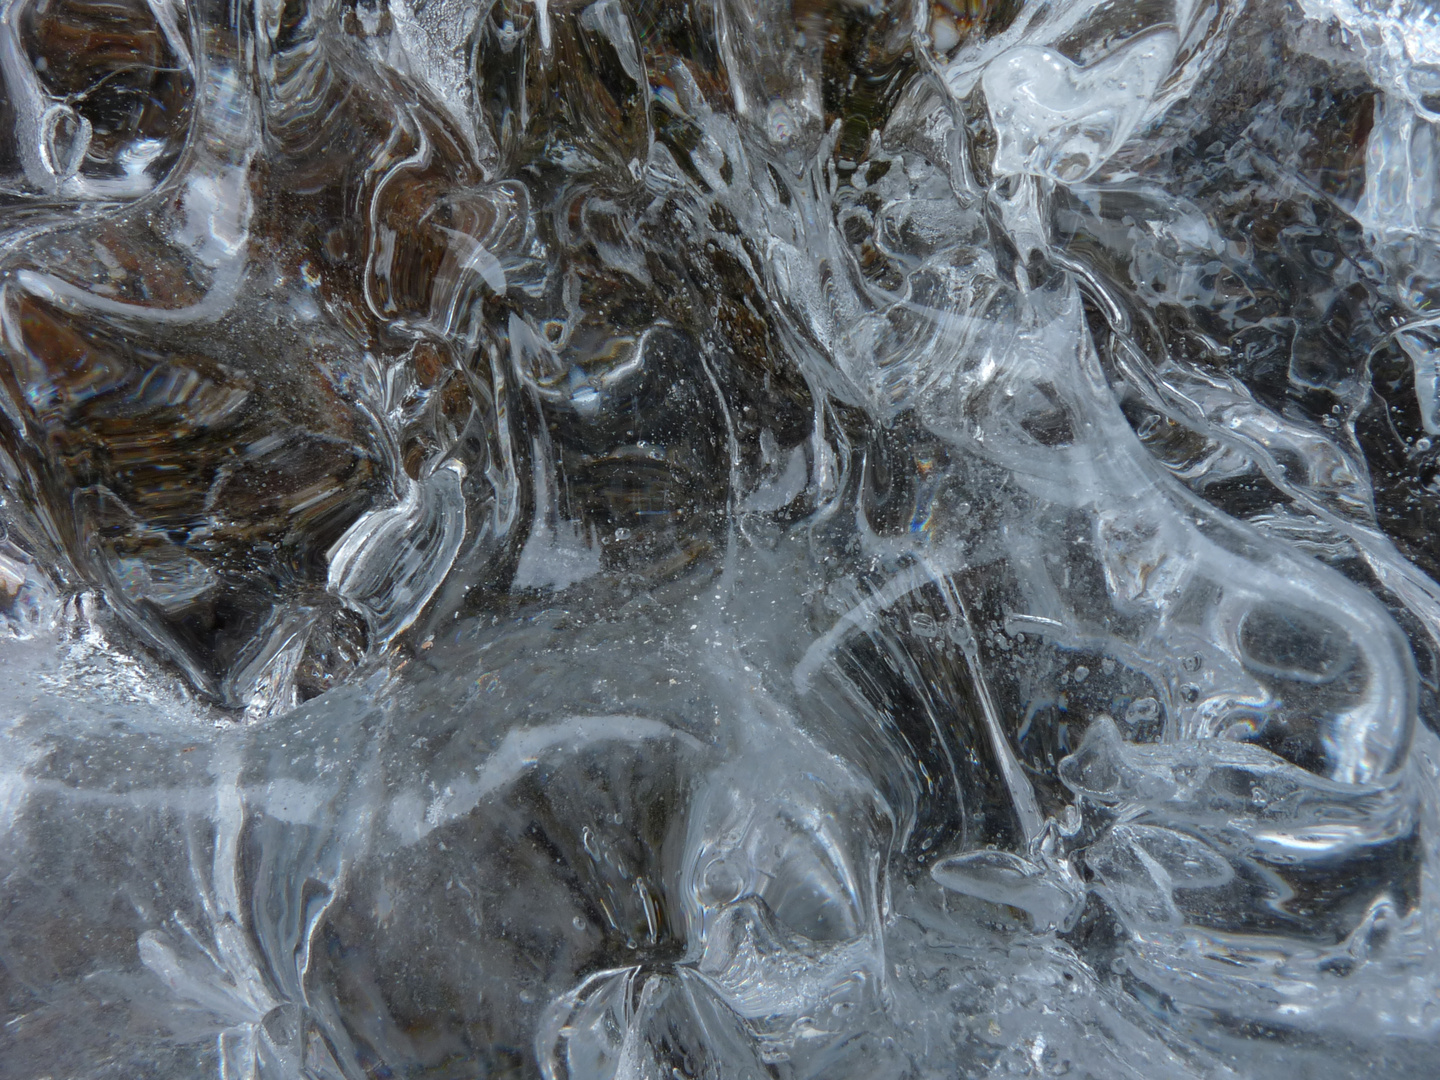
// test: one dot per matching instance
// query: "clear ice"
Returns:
(719, 539)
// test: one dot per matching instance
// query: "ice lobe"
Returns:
(747, 538)
(1054, 118)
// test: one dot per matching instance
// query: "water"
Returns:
(726, 539)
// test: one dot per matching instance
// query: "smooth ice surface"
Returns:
(722, 539)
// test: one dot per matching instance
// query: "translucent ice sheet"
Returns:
(726, 539)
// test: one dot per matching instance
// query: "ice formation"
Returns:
(721, 539)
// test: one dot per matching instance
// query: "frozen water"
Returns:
(734, 538)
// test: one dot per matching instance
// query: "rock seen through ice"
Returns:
(730, 539)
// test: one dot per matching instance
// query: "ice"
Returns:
(621, 540)
(1054, 118)
(97, 96)
(389, 563)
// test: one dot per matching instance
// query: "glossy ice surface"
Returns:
(726, 539)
